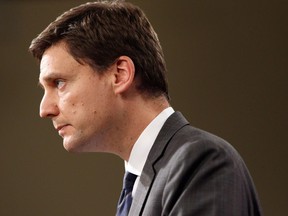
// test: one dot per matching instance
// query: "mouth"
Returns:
(58, 128)
(61, 128)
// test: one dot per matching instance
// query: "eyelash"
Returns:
(59, 83)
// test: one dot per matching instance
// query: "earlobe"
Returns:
(124, 74)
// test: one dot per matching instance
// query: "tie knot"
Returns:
(129, 180)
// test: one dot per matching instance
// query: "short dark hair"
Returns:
(97, 33)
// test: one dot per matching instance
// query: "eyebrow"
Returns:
(49, 78)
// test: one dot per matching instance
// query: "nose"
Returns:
(48, 106)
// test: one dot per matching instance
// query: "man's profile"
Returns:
(103, 73)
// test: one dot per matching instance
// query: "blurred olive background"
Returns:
(227, 63)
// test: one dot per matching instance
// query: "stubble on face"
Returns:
(85, 101)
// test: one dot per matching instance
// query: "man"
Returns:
(105, 90)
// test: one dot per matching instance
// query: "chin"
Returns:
(68, 148)
(74, 147)
(78, 145)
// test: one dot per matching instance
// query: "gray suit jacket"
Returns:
(192, 172)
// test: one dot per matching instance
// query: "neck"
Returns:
(136, 116)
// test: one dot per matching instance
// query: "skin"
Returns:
(93, 112)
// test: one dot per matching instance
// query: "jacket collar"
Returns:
(175, 122)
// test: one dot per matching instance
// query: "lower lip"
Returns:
(62, 130)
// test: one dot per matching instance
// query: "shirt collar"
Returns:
(145, 142)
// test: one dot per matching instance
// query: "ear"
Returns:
(123, 74)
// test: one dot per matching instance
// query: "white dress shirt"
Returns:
(144, 144)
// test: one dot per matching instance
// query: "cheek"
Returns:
(86, 110)
(87, 104)
(69, 105)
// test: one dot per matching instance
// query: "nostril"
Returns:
(49, 112)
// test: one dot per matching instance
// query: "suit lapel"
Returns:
(175, 122)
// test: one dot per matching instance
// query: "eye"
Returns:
(59, 83)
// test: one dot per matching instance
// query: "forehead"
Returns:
(57, 60)
(56, 56)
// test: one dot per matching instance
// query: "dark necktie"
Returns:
(125, 199)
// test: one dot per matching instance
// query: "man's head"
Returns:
(103, 75)
(100, 32)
